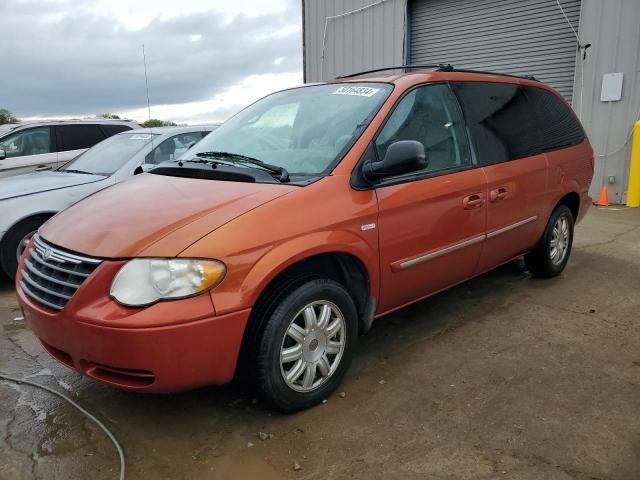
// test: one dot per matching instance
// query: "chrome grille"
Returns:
(51, 276)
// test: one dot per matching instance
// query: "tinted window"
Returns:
(558, 126)
(501, 120)
(75, 137)
(109, 130)
(108, 156)
(431, 116)
(34, 141)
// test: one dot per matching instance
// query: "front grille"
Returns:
(51, 276)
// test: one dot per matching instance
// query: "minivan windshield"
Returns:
(108, 156)
(304, 130)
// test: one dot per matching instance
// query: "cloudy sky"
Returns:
(206, 59)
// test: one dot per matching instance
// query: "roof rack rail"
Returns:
(468, 70)
(440, 67)
(443, 67)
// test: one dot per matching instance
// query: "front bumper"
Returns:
(170, 346)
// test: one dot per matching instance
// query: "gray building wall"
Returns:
(375, 38)
(613, 29)
(371, 38)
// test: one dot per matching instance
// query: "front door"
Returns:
(431, 222)
(26, 150)
(503, 128)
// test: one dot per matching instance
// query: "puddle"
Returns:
(25, 399)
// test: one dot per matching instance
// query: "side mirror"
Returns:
(145, 167)
(3, 154)
(404, 156)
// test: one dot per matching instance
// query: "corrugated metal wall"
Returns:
(375, 38)
(372, 38)
(613, 29)
(521, 37)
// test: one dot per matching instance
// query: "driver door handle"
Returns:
(473, 201)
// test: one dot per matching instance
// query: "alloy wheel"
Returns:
(313, 346)
(559, 244)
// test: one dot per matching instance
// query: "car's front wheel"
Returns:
(15, 241)
(306, 345)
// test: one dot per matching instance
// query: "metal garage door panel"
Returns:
(521, 37)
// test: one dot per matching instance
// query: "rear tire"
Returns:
(552, 253)
(306, 345)
(18, 234)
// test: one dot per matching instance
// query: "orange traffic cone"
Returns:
(603, 199)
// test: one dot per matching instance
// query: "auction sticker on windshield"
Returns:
(358, 91)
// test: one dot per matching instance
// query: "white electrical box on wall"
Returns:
(611, 87)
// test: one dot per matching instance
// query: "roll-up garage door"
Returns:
(521, 37)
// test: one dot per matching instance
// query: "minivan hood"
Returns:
(125, 219)
(37, 182)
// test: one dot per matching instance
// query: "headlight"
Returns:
(144, 281)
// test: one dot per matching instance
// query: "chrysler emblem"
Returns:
(47, 254)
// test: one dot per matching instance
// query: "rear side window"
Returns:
(500, 119)
(110, 130)
(76, 137)
(557, 124)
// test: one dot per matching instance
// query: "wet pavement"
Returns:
(501, 377)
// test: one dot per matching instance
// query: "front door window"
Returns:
(431, 116)
(35, 141)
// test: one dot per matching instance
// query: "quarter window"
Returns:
(500, 119)
(35, 141)
(557, 124)
(431, 116)
(109, 130)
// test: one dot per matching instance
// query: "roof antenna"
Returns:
(146, 82)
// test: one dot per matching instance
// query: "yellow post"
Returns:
(633, 189)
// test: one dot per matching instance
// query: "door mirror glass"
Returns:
(3, 155)
(404, 156)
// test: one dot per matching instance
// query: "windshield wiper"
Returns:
(70, 170)
(238, 158)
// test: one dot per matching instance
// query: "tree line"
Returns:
(7, 117)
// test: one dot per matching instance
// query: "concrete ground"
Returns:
(502, 377)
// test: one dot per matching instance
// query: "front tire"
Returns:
(552, 253)
(14, 242)
(306, 345)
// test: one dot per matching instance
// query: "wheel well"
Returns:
(40, 216)
(5, 255)
(343, 268)
(571, 200)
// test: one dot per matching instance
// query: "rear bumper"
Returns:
(184, 352)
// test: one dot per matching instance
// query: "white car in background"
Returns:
(27, 146)
(29, 200)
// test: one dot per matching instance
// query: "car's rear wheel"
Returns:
(306, 345)
(15, 241)
(551, 255)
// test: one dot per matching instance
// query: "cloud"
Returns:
(60, 58)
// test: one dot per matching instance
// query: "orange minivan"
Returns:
(272, 244)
